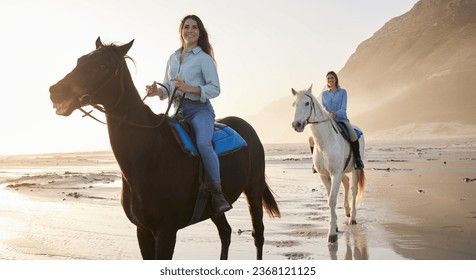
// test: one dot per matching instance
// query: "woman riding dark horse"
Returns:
(160, 181)
(191, 70)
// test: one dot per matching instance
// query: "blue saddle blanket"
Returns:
(225, 139)
(343, 127)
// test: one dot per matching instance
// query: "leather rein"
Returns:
(313, 109)
(87, 98)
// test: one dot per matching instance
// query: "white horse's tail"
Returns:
(361, 184)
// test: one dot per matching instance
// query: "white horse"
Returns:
(332, 156)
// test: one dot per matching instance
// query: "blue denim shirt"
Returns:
(198, 69)
(336, 102)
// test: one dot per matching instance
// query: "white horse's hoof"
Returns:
(353, 222)
(332, 238)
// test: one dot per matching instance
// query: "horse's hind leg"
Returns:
(355, 181)
(224, 230)
(255, 206)
(345, 182)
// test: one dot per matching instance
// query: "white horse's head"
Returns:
(306, 105)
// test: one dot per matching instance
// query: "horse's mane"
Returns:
(114, 47)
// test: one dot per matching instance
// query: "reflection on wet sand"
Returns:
(355, 242)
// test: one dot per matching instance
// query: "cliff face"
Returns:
(419, 67)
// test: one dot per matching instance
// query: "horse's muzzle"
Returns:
(298, 126)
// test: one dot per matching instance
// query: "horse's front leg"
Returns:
(165, 240)
(146, 243)
(335, 184)
(224, 230)
(345, 182)
(326, 179)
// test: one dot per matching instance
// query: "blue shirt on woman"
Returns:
(336, 102)
(198, 69)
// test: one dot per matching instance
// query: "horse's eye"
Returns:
(307, 103)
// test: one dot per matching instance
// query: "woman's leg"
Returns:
(352, 134)
(202, 123)
(354, 144)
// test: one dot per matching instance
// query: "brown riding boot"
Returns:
(219, 203)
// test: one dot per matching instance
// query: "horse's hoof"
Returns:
(353, 222)
(332, 238)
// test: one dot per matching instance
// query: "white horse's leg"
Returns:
(335, 184)
(327, 183)
(355, 181)
(345, 182)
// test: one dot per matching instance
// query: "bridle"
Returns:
(87, 98)
(313, 109)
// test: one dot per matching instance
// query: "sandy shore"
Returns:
(418, 205)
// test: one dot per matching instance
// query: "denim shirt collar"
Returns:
(195, 50)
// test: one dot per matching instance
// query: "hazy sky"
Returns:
(262, 47)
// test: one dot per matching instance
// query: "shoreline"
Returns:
(416, 206)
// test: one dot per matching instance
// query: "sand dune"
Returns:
(419, 68)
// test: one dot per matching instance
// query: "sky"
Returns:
(263, 48)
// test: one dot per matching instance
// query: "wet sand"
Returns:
(417, 205)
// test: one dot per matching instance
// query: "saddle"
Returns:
(345, 132)
(225, 139)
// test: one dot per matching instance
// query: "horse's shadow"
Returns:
(355, 242)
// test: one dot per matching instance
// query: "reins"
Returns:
(313, 109)
(107, 111)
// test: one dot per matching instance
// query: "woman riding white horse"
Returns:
(332, 155)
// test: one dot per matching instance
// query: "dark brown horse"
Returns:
(160, 182)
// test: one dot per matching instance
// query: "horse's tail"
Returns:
(269, 203)
(361, 184)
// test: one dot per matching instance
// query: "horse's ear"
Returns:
(310, 89)
(99, 44)
(293, 91)
(125, 48)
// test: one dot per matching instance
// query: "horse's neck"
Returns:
(324, 132)
(131, 131)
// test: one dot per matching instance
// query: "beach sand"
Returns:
(420, 203)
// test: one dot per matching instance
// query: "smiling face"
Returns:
(332, 80)
(190, 32)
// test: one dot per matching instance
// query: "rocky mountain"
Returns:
(419, 68)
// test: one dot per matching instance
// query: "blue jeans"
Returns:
(352, 134)
(201, 117)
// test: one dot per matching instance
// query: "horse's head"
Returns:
(94, 74)
(304, 104)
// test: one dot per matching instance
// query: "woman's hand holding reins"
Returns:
(152, 90)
